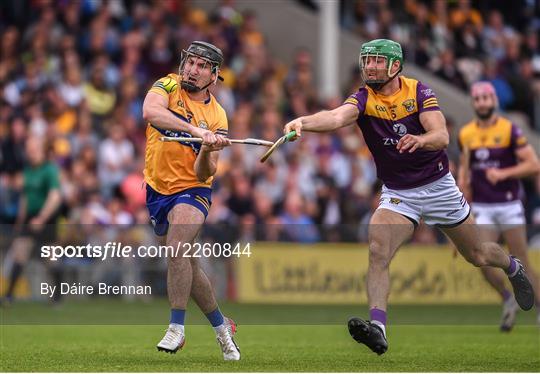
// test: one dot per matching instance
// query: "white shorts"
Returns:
(499, 216)
(438, 203)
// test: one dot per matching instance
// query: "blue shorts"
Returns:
(160, 205)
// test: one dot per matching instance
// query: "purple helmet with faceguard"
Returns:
(209, 53)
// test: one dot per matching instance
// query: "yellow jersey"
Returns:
(169, 166)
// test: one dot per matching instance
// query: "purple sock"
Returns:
(378, 315)
(506, 295)
(512, 267)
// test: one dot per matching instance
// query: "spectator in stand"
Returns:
(504, 91)
(464, 13)
(522, 88)
(116, 155)
(37, 214)
(495, 35)
(448, 69)
(297, 225)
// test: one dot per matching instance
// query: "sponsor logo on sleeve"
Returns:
(427, 92)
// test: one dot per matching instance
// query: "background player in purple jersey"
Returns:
(406, 133)
(495, 154)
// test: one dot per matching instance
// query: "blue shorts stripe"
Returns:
(203, 201)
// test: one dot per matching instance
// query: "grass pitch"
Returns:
(272, 338)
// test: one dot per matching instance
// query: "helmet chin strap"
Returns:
(191, 88)
(377, 86)
(208, 85)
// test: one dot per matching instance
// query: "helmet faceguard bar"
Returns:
(389, 63)
(186, 54)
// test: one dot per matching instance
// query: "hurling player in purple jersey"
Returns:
(495, 155)
(406, 133)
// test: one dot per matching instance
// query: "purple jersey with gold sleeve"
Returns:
(492, 147)
(385, 119)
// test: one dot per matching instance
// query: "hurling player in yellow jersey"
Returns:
(179, 179)
(495, 155)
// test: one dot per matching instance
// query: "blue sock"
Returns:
(178, 316)
(215, 317)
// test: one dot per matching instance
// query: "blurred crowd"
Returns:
(75, 73)
(463, 41)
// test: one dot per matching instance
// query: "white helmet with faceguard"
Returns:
(211, 54)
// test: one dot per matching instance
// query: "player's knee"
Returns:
(478, 256)
(379, 254)
(473, 260)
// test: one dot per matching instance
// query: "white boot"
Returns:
(224, 335)
(173, 340)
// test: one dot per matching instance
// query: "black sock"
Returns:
(16, 272)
